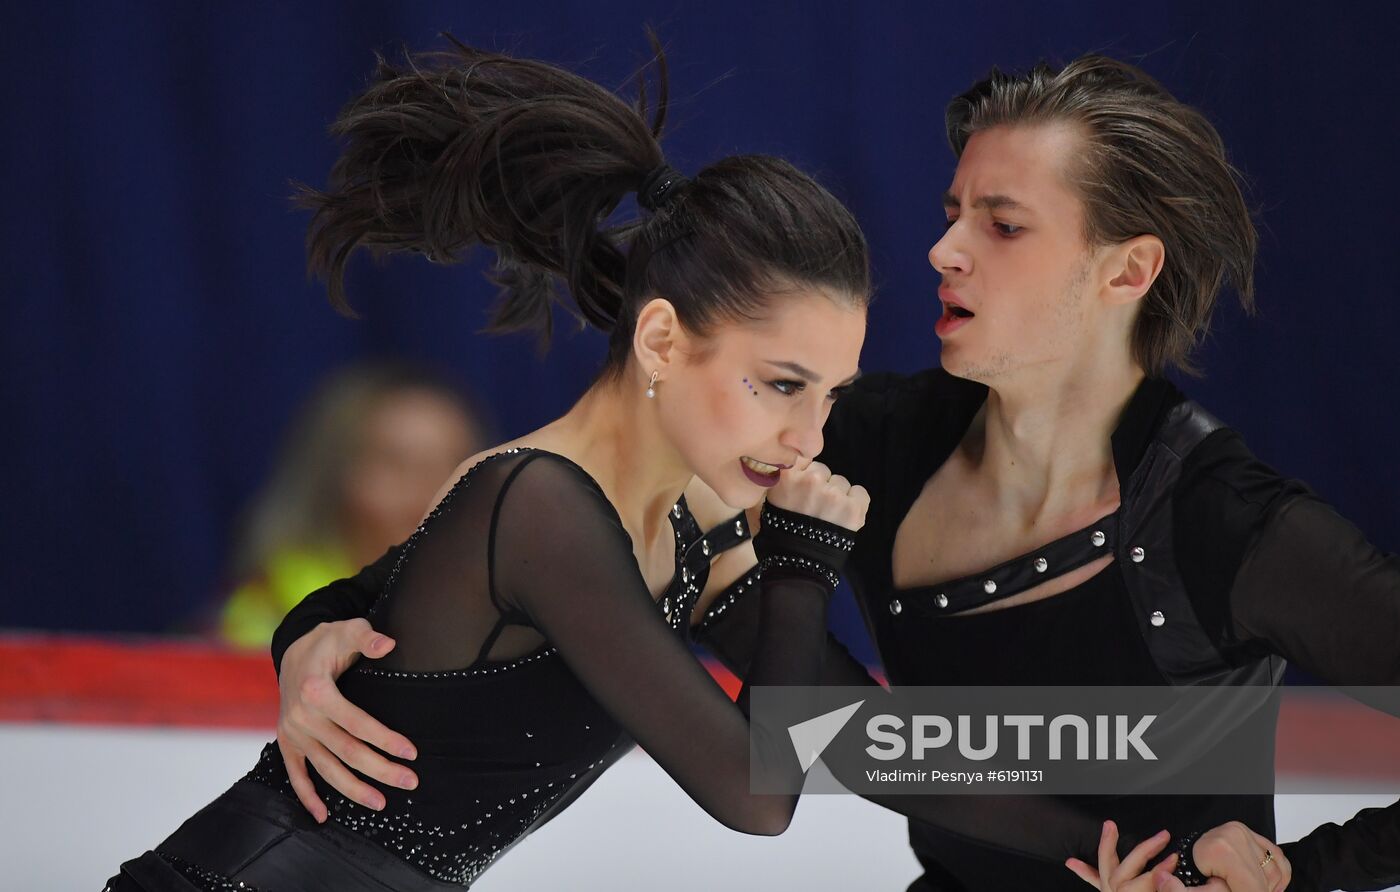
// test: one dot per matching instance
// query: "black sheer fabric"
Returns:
(530, 655)
(1314, 588)
(1302, 582)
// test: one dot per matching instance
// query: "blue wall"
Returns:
(159, 329)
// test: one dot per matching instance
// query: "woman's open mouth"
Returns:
(759, 472)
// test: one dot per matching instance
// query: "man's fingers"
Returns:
(1162, 878)
(1260, 879)
(365, 760)
(1145, 851)
(1255, 866)
(1285, 870)
(295, 763)
(1084, 871)
(366, 727)
(1231, 855)
(375, 644)
(334, 772)
(322, 694)
(1108, 851)
(1277, 869)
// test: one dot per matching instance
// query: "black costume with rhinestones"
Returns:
(1269, 570)
(530, 656)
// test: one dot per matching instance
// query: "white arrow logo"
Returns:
(809, 738)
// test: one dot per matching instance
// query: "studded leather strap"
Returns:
(789, 544)
(1020, 573)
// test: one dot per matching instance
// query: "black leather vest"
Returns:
(1174, 634)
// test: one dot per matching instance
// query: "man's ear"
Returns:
(1132, 267)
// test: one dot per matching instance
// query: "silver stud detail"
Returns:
(1041, 565)
(989, 586)
(1138, 554)
(705, 547)
(676, 511)
(1158, 618)
(896, 607)
(1098, 538)
(738, 528)
(941, 600)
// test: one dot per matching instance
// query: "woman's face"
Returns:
(1016, 270)
(754, 401)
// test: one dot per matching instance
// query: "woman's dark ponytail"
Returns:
(462, 147)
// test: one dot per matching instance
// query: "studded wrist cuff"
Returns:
(820, 531)
(789, 543)
(1186, 869)
(790, 535)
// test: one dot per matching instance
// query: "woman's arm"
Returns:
(324, 635)
(589, 600)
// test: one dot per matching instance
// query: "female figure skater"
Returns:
(540, 610)
(1050, 510)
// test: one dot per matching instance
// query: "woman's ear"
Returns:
(656, 342)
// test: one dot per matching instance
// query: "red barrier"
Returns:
(190, 683)
(134, 681)
(149, 681)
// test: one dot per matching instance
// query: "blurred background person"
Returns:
(358, 467)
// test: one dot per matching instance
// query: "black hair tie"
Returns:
(659, 187)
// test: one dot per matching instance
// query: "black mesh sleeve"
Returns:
(560, 555)
(342, 599)
(1271, 568)
(1321, 595)
(1318, 593)
(729, 630)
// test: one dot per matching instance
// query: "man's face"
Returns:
(1017, 288)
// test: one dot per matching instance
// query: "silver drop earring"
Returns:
(651, 386)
